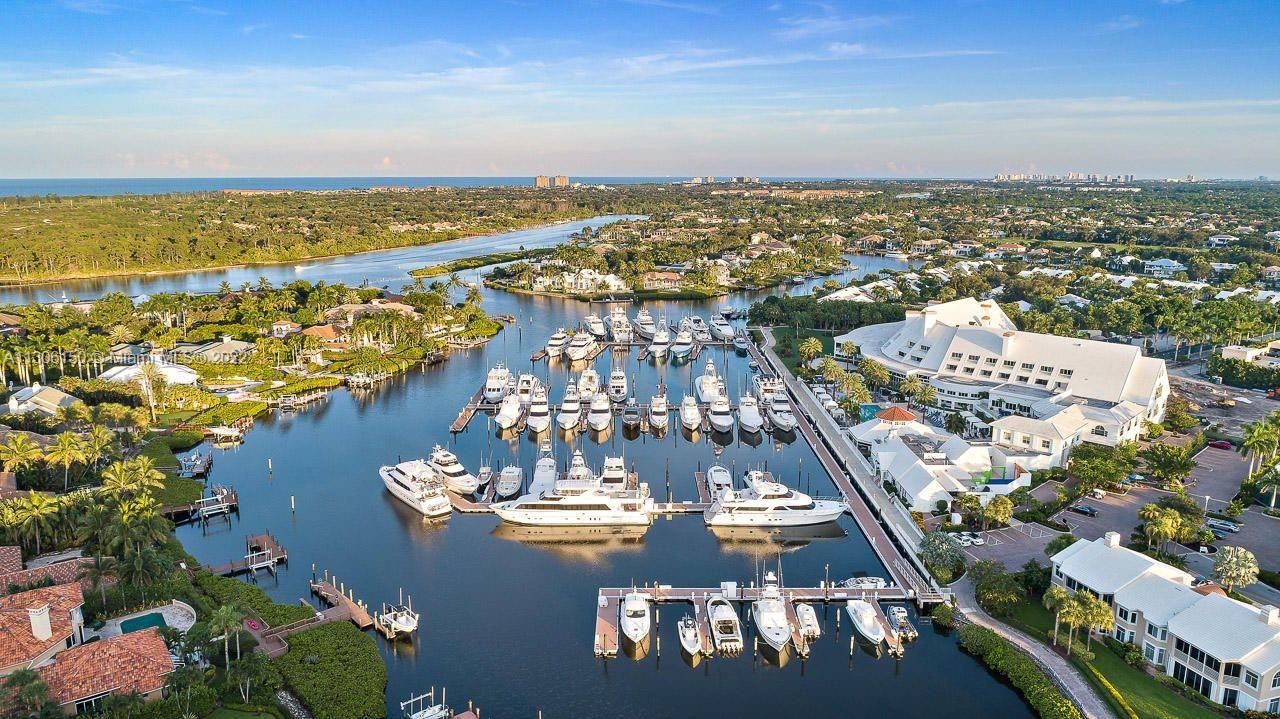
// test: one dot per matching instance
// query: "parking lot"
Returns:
(1217, 475)
(1013, 546)
(1116, 513)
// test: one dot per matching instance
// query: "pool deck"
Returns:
(178, 616)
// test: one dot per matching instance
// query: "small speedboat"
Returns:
(726, 629)
(509, 482)
(618, 385)
(690, 414)
(658, 410)
(749, 418)
(556, 344)
(634, 620)
(539, 419)
(720, 414)
(865, 620)
(719, 479)
(600, 415)
(690, 642)
(508, 412)
(809, 627)
(570, 407)
(721, 329)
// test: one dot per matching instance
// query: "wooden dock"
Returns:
(464, 416)
(222, 501)
(337, 596)
(262, 551)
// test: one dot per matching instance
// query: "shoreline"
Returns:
(18, 284)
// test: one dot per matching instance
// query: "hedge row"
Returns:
(1022, 672)
(224, 590)
(228, 413)
(308, 384)
(336, 671)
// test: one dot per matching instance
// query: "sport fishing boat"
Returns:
(762, 503)
(613, 475)
(720, 328)
(618, 385)
(578, 469)
(810, 629)
(683, 345)
(570, 407)
(580, 346)
(658, 409)
(595, 326)
(726, 630)
(770, 615)
(525, 387)
(600, 415)
(544, 470)
(635, 622)
(661, 342)
(690, 642)
(575, 502)
(417, 484)
(740, 344)
(720, 414)
(496, 383)
(508, 412)
(539, 419)
(865, 620)
(690, 414)
(619, 326)
(588, 383)
(556, 344)
(749, 418)
(631, 413)
(509, 482)
(719, 479)
(643, 324)
(709, 385)
(456, 478)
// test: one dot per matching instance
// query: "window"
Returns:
(1028, 366)
(1274, 706)
(1045, 369)
(968, 370)
(991, 360)
(1009, 363)
(1275, 681)
(1123, 614)
(1251, 679)
(924, 348)
(986, 373)
(957, 355)
(1065, 372)
(1192, 679)
(1100, 430)
(973, 358)
(916, 359)
(1024, 378)
(1198, 654)
(1154, 654)
(902, 353)
(1157, 632)
(952, 367)
(1042, 382)
(1044, 444)
(1231, 671)
(910, 345)
(1003, 375)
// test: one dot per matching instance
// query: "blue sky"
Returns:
(150, 88)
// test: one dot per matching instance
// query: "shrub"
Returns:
(1020, 670)
(228, 413)
(1116, 698)
(943, 615)
(336, 671)
(224, 590)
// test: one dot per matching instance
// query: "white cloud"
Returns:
(1120, 24)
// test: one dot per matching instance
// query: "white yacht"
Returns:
(456, 478)
(600, 415)
(416, 484)
(770, 615)
(496, 383)
(810, 628)
(544, 471)
(661, 342)
(508, 412)
(740, 344)
(762, 503)
(719, 479)
(595, 326)
(618, 385)
(613, 475)
(619, 326)
(570, 407)
(539, 419)
(576, 503)
(690, 642)
(631, 413)
(588, 383)
(701, 332)
(555, 345)
(634, 621)
(749, 418)
(643, 324)
(580, 346)
(509, 482)
(525, 387)
(720, 414)
(865, 620)
(726, 630)
(779, 411)
(690, 414)
(709, 385)
(578, 469)
(658, 410)
(683, 344)
(721, 329)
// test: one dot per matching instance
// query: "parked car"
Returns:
(1222, 524)
(1220, 444)
(976, 538)
(1135, 477)
(1085, 509)
(1099, 494)
(1217, 532)
(963, 539)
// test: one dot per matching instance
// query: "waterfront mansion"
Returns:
(1043, 393)
(1227, 650)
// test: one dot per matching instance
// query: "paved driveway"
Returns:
(1116, 513)
(1217, 475)
(1013, 546)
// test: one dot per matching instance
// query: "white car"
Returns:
(963, 539)
(976, 538)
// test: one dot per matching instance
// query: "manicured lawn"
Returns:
(789, 344)
(224, 713)
(1147, 697)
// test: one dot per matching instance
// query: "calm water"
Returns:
(508, 621)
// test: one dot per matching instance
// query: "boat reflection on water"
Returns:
(582, 544)
(751, 439)
(751, 540)
(721, 439)
(424, 531)
(781, 436)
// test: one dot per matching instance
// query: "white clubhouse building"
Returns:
(1047, 392)
(1227, 650)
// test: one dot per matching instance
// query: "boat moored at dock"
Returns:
(497, 383)
(557, 343)
(762, 503)
(618, 388)
(539, 419)
(417, 484)
(749, 418)
(726, 628)
(720, 414)
(682, 347)
(721, 329)
(600, 414)
(643, 324)
(769, 613)
(595, 326)
(659, 410)
(570, 413)
(636, 623)
(866, 620)
(509, 482)
(509, 412)
(456, 478)
(690, 414)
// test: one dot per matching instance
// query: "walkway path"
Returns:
(1062, 672)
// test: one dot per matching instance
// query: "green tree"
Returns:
(1055, 599)
(66, 451)
(29, 689)
(875, 374)
(1059, 543)
(941, 551)
(810, 348)
(1235, 567)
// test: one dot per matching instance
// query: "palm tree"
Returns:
(67, 450)
(1270, 481)
(927, 395)
(1149, 514)
(141, 568)
(93, 524)
(910, 387)
(98, 573)
(1055, 598)
(29, 689)
(1099, 616)
(1259, 438)
(810, 348)
(20, 452)
(875, 374)
(1074, 615)
(225, 621)
(36, 516)
(97, 445)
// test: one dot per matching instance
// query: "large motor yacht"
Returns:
(658, 410)
(588, 384)
(779, 411)
(539, 419)
(496, 383)
(525, 387)
(661, 342)
(770, 615)
(720, 414)
(710, 385)
(619, 326)
(579, 502)
(556, 344)
(618, 385)
(580, 346)
(613, 475)
(762, 503)
(456, 478)
(508, 412)
(595, 326)
(416, 484)
(600, 415)
(683, 344)
(698, 327)
(570, 407)
(720, 328)
(690, 414)
(749, 418)
(643, 324)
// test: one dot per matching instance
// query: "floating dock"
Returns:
(262, 551)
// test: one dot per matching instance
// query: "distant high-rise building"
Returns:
(542, 181)
(561, 181)
(708, 179)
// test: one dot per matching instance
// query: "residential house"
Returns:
(1221, 240)
(1271, 275)
(926, 247)
(966, 248)
(333, 336)
(222, 350)
(1163, 267)
(1011, 248)
(283, 328)
(172, 373)
(834, 240)
(40, 399)
(82, 678)
(1123, 263)
(37, 624)
(660, 280)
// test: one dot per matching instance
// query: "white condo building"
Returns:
(1047, 393)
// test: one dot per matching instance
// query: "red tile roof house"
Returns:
(37, 624)
(80, 679)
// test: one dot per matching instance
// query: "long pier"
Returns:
(335, 594)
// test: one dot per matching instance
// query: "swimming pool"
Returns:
(133, 624)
